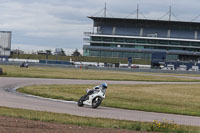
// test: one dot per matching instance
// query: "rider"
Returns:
(102, 87)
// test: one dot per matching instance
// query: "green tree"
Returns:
(49, 52)
(59, 51)
(62, 53)
(76, 53)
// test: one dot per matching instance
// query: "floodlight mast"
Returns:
(170, 12)
(137, 11)
(105, 11)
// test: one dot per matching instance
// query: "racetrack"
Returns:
(10, 98)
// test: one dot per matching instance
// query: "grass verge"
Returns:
(174, 99)
(66, 73)
(95, 122)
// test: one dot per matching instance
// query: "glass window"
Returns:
(129, 46)
(129, 54)
(147, 56)
(121, 54)
(119, 39)
(174, 42)
(152, 41)
(125, 54)
(141, 41)
(185, 43)
(139, 47)
(95, 53)
(113, 45)
(107, 39)
(138, 55)
(86, 52)
(106, 54)
(172, 57)
(115, 54)
(195, 43)
(128, 40)
(96, 39)
(164, 48)
(162, 42)
(149, 47)
(106, 45)
(96, 44)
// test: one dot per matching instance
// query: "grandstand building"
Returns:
(5, 44)
(141, 38)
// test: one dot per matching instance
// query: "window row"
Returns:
(145, 41)
(117, 54)
(146, 47)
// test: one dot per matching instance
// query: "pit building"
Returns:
(141, 38)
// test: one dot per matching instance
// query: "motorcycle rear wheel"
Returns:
(96, 102)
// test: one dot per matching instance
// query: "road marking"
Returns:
(43, 98)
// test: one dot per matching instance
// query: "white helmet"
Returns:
(104, 85)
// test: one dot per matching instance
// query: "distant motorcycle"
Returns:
(93, 97)
(24, 64)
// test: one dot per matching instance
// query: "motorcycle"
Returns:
(93, 99)
(24, 64)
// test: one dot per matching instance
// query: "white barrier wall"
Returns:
(23, 60)
(5, 43)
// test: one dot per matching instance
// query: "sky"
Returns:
(49, 24)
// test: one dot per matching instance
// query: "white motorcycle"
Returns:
(93, 99)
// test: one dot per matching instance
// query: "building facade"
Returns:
(5, 44)
(140, 38)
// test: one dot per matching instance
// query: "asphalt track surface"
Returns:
(10, 98)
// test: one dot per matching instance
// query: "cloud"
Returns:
(45, 23)
(61, 23)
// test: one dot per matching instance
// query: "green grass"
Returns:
(174, 99)
(66, 73)
(93, 122)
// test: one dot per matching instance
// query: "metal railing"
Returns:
(87, 33)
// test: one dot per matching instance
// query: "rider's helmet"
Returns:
(104, 85)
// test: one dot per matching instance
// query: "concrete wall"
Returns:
(5, 43)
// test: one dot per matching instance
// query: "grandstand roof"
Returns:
(99, 21)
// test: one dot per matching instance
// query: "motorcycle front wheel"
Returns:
(96, 102)
(80, 101)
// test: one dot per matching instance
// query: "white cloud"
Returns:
(53, 23)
